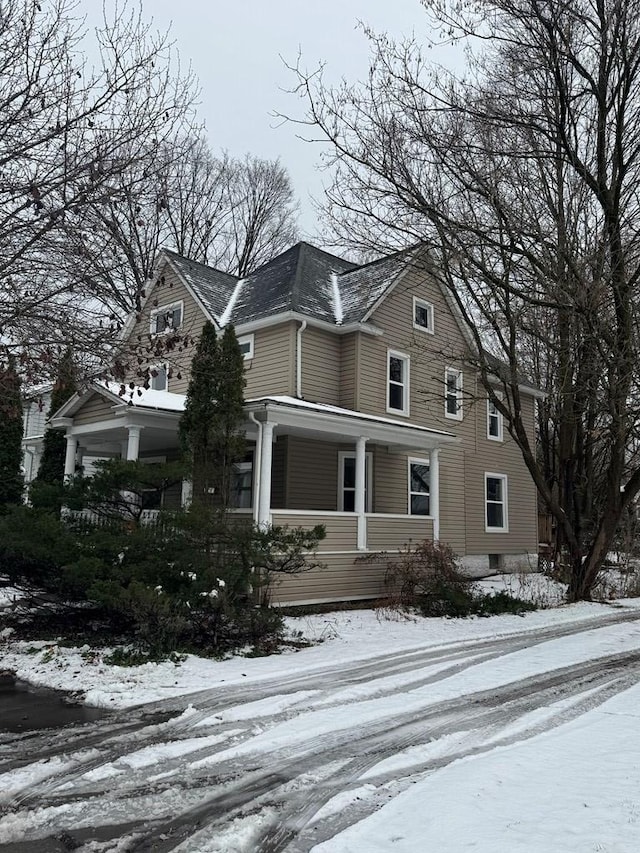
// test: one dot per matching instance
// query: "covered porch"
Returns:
(373, 482)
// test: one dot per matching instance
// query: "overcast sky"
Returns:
(235, 49)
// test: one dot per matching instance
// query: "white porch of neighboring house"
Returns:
(100, 424)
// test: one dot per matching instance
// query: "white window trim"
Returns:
(163, 366)
(430, 329)
(450, 371)
(163, 309)
(413, 460)
(247, 339)
(349, 454)
(406, 384)
(505, 502)
(490, 414)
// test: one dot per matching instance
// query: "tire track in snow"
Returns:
(254, 781)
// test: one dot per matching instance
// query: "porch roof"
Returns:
(288, 414)
(326, 420)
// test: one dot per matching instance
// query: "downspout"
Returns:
(301, 329)
(256, 467)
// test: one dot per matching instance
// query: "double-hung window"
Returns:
(242, 483)
(496, 510)
(246, 343)
(166, 319)
(422, 315)
(347, 482)
(494, 422)
(397, 382)
(453, 393)
(419, 487)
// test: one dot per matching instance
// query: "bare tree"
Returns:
(67, 132)
(263, 214)
(522, 181)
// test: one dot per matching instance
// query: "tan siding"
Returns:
(388, 533)
(320, 366)
(341, 577)
(389, 481)
(452, 498)
(429, 354)
(348, 361)
(270, 371)
(95, 409)
(462, 467)
(341, 530)
(167, 290)
(312, 474)
(500, 458)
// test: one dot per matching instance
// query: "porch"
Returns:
(373, 482)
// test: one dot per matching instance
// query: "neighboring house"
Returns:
(362, 413)
(34, 419)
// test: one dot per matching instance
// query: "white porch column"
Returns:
(70, 456)
(434, 492)
(186, 494)
(264, 485)
(133, 442)
(360, 493)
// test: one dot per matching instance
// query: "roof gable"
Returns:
(304, 280)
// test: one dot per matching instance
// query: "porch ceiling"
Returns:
(321, 421)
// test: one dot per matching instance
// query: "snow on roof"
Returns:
(337, 299)
(326, 408)
(225, 317)
(146, 398)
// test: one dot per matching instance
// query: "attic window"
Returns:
(422, 315)
(166, 319)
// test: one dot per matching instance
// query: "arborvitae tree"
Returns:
(10, 435)
(210, 425)
(51, 468)
(227, 437)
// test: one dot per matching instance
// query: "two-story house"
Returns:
(362, 413)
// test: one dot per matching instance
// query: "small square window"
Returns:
(422, 315)
(166, 319)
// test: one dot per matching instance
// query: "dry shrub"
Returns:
(428, 577)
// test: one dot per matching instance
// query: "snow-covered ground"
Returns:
(510, 733)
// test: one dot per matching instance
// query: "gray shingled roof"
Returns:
(213, 287)
(300, 280)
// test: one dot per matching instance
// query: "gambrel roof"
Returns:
(304, 280)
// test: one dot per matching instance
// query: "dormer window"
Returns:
(166, 318)
(422, 315)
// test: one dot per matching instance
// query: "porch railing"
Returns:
(385, 532)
